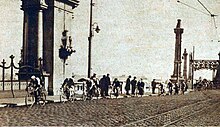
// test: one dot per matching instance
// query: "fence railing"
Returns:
(13, 80)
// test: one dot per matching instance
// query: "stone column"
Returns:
(40, 35)
(185, 65)
(32, 37)
(177, 60)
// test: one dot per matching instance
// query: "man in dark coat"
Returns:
(127, 85)
(108, 83)
(102, 84)
(140, 86)
(170, 87)
(133, 85)
(153, 85)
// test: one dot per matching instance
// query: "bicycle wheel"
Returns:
(42, 99)
(29, 99)
(84, 97)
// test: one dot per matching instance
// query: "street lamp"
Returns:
(65, 49)
(91, 34)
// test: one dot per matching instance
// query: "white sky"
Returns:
(136, 38)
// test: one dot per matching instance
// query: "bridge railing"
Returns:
(13, 79)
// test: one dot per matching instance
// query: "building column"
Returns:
(40, 34)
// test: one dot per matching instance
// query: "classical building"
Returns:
(46, 39)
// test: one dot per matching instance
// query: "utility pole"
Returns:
(90, 41)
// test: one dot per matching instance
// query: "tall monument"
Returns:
(177, 59)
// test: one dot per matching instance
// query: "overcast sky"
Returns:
(136, 38)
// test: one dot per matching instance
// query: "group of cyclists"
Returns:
(104, 87)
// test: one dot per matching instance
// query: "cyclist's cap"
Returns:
(33, 77)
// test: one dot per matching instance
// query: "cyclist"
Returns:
(67, 84)
(116, 86)
(34, 82)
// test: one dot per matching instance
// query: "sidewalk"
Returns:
(13, 102)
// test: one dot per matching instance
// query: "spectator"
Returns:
(102, 84)
(153, 85)
(170, 87)
(182, 87)
(176, 89)
(127, 85)
(133, 85)
(140, 86)
(108, 83)
(161, 89)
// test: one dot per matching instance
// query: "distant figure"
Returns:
(140, 86)
(133, 85)
(127, 85)
(161, 89)
(95, 80)
(170, 87)
(102, 84)
(153, 85)
(182, 87)
(116, 87)
(108, 83)
(176, 89)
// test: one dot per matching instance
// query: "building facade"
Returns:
(41, 26)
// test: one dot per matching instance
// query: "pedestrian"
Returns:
(153, 85)
(170, 87)
(108, 84)
(140, 86)
(127, 85)
(102, 84)
(161, 89)
(182, 87)
(133, 85)
(176, 89)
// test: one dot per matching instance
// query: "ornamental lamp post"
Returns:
(91, 34)
(65, 50)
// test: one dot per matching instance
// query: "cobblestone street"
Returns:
(195, 108)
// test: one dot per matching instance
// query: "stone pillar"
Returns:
(185, 65)
(33, 31)
(40, 34)
(177, 60)
(32, 38)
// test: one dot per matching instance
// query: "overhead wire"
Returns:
(209, 14)
(192, 7)
(213, 17)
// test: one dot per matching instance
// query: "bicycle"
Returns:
(115, 91)
(30, 97)
(67, 92)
